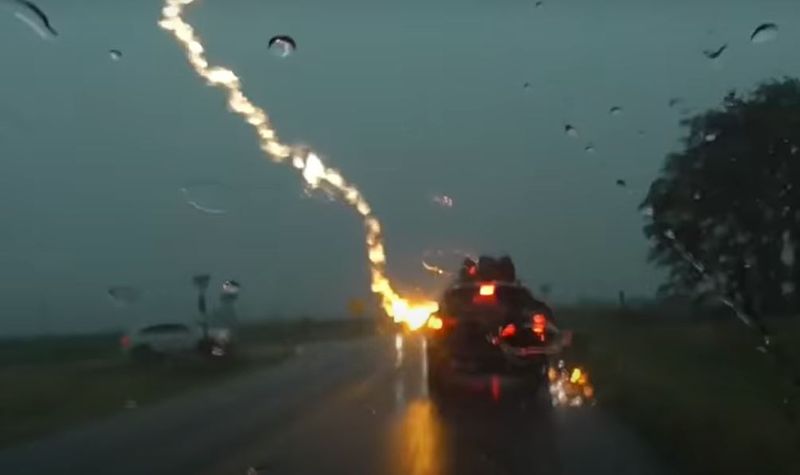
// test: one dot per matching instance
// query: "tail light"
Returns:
(486, 295)
(539, 325)
(508, 331)
(125, 342)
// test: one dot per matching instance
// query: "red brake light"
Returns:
(486, 290)
(539, 325)
(508, 331)
(472, 270)
(125, 342)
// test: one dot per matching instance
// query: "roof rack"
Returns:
(488, 268)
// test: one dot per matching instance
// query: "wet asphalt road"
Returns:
(344, 408)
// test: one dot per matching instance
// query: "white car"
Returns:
(173, 339)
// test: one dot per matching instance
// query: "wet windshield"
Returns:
(233, 234)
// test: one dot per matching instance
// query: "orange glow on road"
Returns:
(309, 165)
(495, 388)
(569, 388)
(418, 442)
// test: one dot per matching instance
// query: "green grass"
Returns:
(699, 391)
(46, 350)
(54, 382)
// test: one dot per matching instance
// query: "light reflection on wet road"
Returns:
(354, 408)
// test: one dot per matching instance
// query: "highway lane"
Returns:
(344, 408)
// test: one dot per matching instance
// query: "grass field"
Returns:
(53, 382)
(699, 391)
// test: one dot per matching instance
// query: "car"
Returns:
(489, 323)
(153, 342)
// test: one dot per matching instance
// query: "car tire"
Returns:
(541, 388)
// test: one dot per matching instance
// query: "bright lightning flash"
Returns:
(311, 168)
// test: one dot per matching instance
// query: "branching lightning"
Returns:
(313, 171)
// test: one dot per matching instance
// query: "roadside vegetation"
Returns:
(714, 394)
(53, 382)
(699, 391)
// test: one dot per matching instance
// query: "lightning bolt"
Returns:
(311, 168)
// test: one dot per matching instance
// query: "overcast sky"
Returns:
(408, 99)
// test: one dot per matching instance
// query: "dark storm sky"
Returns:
(408, 99)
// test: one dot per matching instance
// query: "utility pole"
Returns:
(200, 282)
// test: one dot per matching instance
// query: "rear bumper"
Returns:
(441, 359)
(545, 350)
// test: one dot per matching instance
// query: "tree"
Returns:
(725, 212)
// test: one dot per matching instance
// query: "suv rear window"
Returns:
(166, 328)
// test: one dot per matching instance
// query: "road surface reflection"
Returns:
(418, 440)
(487, 424)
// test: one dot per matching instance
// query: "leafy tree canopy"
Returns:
(724, 214)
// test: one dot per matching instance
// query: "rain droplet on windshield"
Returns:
(527, 85)
(115, 54)
(208, 198)
(787, 250)
(570, 131)
(793, 149)
(647, 211)
(443, 200)
(621, 182)
(674, 101)
(538, 4)
(787, 287)
(589, 149)
(764, 33)
(697, 195)
(256, 470)
(710, 137)
(124, 295)
(231, 287)
(282, 45)
(715, 53)
(34, 17)
(669, 234)
(616, 110)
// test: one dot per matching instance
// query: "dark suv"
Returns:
(488, 322)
